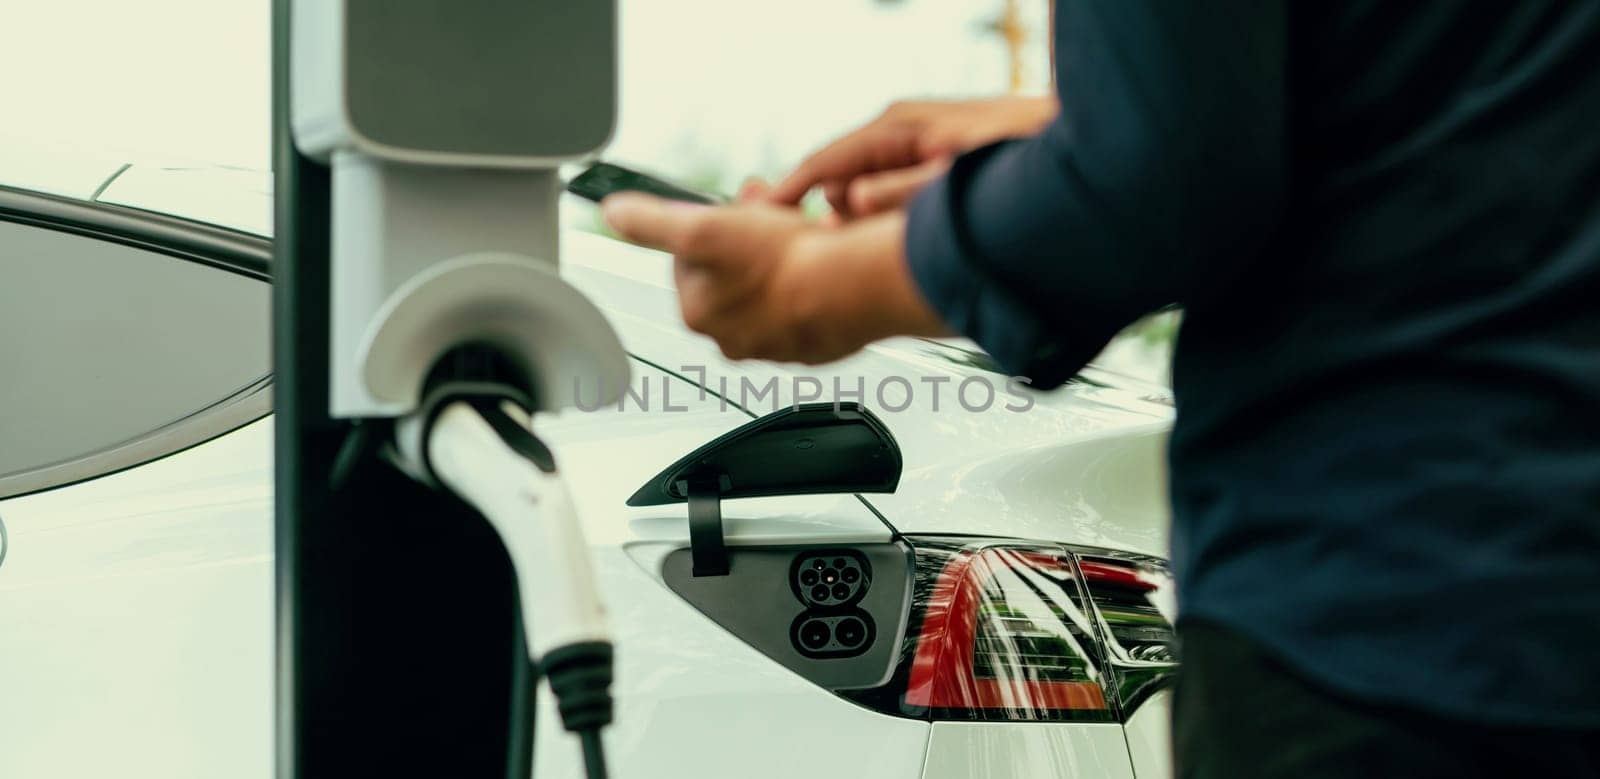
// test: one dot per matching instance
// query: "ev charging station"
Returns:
(430, 569)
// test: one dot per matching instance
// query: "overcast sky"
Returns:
(747, 83)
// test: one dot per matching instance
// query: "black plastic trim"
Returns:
(808, 449)
(756, 604)
(830, 470)
(706, 544)
(206, 244)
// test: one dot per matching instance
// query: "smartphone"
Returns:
(604, 178)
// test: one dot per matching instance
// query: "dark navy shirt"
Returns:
(1382, 220)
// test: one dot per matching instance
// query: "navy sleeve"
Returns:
(1159, 182)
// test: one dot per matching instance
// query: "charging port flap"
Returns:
(809, 449)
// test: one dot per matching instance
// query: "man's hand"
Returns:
(881, 166)
(765, 282)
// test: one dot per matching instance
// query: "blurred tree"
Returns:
(1011, 28)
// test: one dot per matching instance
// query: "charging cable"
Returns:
(483, 451)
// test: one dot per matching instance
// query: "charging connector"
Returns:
(484, 452)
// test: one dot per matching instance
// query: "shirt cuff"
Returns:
(968, 300)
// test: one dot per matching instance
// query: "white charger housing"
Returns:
(443, 122)
(521, 84)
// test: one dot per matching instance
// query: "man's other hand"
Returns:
(882, 165)
(765, 282)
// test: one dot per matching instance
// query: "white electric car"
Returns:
(1003, 613)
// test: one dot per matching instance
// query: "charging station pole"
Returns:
(429, 555)
(399, 642)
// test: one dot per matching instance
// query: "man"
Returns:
(1382, 220)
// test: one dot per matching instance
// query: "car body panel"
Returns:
(54, 169)
(236, 198)
(1149, 733)
(1003, 750)
(137, 614)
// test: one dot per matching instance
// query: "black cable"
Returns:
(594, 757)
(580, 677)
(359, 447)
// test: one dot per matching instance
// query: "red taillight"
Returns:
(1004, 636)
(1114, 575)
(1004, 630)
